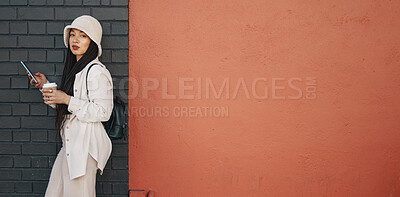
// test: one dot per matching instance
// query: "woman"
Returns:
(86, 145)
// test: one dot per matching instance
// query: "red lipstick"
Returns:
(75, 47)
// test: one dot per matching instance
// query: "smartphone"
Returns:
(27, 69)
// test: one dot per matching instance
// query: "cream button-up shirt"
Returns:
(84, 133)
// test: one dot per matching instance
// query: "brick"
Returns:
(21, 136)
(7, 68)
(36, 41)
(38, 122)
(40, 162)
(120, 150)
(6, 187)
(119, 2)
(6, 162)
(52, 159)
(4, 55)
(19, 82)
(18, 55)
(73, 2)
(55, 2)
(91, 2)
(9, 122)
(39, 149)
(115, 42)
(114, 175)
(39, 187)
(55, 28)
(59, 43)
(106, 56)
(10, 149)
(18, 28)
(120, 188)
(38, 109)
(34, 175)
(5, 135)
(37, 27)
(5, 2)
(9, 96)
(30, 96)
(7, 41)
(106, 28)
(118, 69)
(37, 2)
(5, 109)
(107, 188)
(44, 68)
(120, 56)
(120, 28)
(55, 56)
(37, 55)
(70, 13)
(10, 174)
(112, 13)
(51, 111)
(35, 13)
(120, 163)
(20, 109)
(18, 2)
(105, 2)
(23, 187)
(22, 161)
(5, 82)
(39, 136)
(8, 13)
(5, 28)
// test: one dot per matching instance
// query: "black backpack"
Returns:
(118, 121)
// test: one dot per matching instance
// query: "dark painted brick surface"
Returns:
(35, 13)
(22, 161)
(10, 174)
(5, 135)
(110, 13)
(32, 31)
(5, 82)
(21, 136)
(19, 82)
(37, 27)
(20, 109)
(8, 13)
(35, 42)
(23, 187)
(5, 109)
(6, 187)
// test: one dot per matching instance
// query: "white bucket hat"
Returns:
(90, 26)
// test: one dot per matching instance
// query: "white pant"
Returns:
(60, 184)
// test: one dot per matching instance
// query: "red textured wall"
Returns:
(328, 127)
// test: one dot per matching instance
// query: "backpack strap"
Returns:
(87, 74)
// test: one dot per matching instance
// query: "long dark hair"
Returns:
(71, 68)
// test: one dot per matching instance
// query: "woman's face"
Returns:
(78, 42)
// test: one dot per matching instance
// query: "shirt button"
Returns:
(67, 140)
(76, 90)
(67, 154)
(67, 127)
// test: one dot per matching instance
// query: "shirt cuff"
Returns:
(75, 104)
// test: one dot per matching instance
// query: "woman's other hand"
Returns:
(40, 78)
(55, 97)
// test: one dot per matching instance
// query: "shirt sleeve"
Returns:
(100, 106)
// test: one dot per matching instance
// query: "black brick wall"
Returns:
(32, 31)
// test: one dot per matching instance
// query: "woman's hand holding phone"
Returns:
(41, 79)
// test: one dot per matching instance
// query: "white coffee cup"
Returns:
(50, 86)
